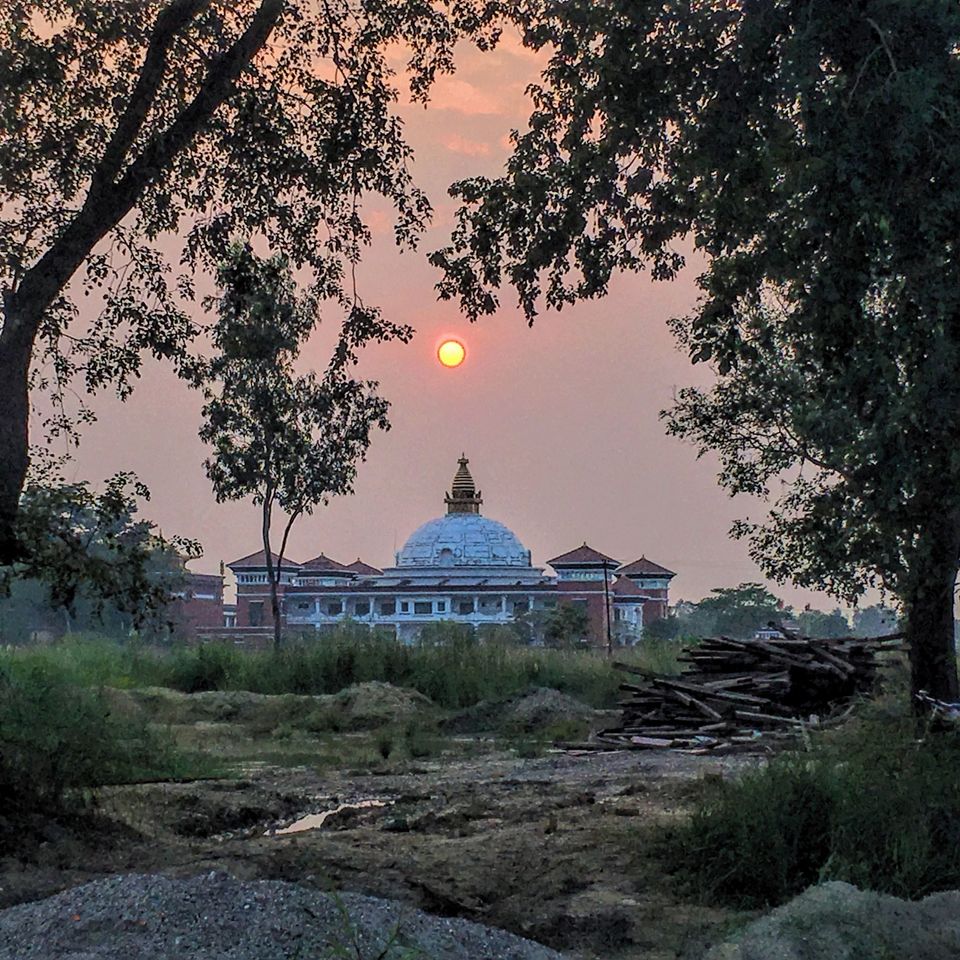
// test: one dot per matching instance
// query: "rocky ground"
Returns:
(551, 846)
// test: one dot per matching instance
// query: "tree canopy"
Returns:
(289, 441)
(810, 154)
(90, 554)
(137, 139)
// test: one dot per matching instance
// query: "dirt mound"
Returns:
(545, 707)
(836, 921)
(375, 704)
(217, 917)
(361, 707)
(163, 705)
(535, 711)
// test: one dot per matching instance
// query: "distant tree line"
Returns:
(741, 611)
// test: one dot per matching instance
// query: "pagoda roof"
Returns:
(643, 566)
(323, 562)
(364, 569)
(625, 587)
(584, 556)
(258, 560)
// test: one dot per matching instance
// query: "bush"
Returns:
(871, 805)
(57, 738)
(210, 667)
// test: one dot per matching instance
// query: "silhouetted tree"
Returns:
(288, 441)
(89, 552)
(136, 138)
(810, 152)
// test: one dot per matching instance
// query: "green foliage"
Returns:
(816, 623)
(92, 661)
(209, 667)
(197, 121)
(88, 558)
(738, 611)
(565, 625)
(671, 627)
(164, 127)
(810, 154)
(870, 805)
(58, 738)
(455, 673)
(350, 943)
(288, 441)
(875, 621)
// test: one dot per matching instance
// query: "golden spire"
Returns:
(464, 496)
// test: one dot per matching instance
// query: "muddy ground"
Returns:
(555, 846)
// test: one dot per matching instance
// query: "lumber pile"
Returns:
(734, 693)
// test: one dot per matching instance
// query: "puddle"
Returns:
(314, 821)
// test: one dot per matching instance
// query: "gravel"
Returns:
(836, 921)
(215, 917)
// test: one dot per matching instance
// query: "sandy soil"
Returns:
(558, 848)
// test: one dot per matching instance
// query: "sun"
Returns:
(451, 353)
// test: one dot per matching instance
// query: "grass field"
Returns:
(456, 673)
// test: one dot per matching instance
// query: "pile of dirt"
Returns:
(163, 705)
(217, 917)
(836, 921)
(544, 707)
(535, 711)
(364, 706)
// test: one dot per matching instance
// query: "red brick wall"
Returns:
(590, 591)
(654, 610)
(195, 610)
(248, 593)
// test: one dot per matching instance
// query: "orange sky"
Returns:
(560, 422)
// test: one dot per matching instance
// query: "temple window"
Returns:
(422, 607)
(362, 608)
(334, 608)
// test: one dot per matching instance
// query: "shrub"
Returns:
(871, 805)
(57, 738)
(209, 667)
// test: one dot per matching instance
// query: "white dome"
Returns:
(463, 540)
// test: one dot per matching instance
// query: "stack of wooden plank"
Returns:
(734, 693)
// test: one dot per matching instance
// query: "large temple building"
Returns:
(461, 567)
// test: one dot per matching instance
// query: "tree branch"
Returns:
(171, 20)
(104, 208)
(883, 40)
(219, 84)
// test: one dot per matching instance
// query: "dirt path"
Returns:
(556, 848)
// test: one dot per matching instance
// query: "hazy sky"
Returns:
(560, 421)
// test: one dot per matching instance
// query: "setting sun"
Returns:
(451, 353)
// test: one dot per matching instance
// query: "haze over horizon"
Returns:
(559, 421)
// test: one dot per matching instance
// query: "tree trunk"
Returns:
(16, 347)
(112, 195)
(271, 572)
(928, 605)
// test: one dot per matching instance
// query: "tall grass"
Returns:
(58, 738)
(872, 805)
(451, 668)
